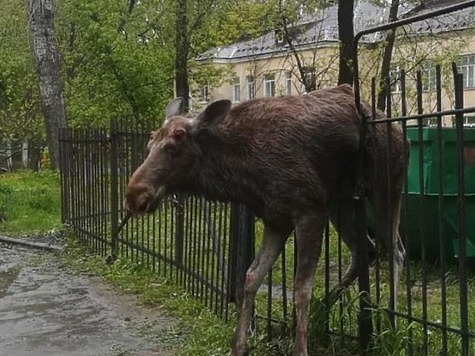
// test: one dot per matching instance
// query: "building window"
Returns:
(269, 85)
(428, 76)
(204, 94)
(236, 95)
(467, 68)
(395, 79)
(469, 121)
(251, 87)
(309, 78)
(288, 83)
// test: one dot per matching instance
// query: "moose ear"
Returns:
(214, 113)
(175, 108)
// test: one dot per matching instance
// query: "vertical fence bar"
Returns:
(422, 220)
(233, 252)
(269, 306)
(440, 212)
(410, 347)
(82, 186)
(224, 281)
(462, 256)
(179, 232)
(365, 325)
(225, 230)
(208, 235)
(114, 194)
(63, 170)
(340, 275)
(389, 227)
(327, 278)
(284, 291)
(74, 185)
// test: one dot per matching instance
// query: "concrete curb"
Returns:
(30, 244)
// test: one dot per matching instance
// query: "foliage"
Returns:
(19, 104)
(115, 64)
(29, 202)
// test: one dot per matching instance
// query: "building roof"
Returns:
(453, 21)
(322, 29)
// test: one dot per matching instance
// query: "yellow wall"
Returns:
(410, 51)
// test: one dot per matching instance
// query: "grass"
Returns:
(29, 203)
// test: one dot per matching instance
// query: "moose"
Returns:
(293, 161)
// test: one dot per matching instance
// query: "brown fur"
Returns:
(292, 160)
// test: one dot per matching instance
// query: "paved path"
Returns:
(44, 310)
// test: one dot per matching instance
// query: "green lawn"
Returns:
(29, 203)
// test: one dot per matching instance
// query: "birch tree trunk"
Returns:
(48, 69)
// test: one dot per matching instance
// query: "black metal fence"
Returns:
(206, 246)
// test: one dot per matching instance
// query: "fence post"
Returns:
(114, 189)
(241, 250)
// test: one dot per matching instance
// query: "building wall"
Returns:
(410, 52)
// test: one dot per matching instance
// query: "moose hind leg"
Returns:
(309, 232)
(342, 217)
(387, 224)
(272, 245)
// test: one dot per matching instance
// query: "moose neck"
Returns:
(221, 172)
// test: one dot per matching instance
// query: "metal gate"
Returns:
(434, 313)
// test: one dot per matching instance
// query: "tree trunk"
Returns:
(346, 36)
(48, 69)
(181, 56)
(387, 56)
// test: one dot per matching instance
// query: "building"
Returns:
(269, 66)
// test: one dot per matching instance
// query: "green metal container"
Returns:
(422, 221)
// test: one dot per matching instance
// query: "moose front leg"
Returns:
(309, 230)
(272, 245)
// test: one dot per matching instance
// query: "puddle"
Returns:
(7, 277)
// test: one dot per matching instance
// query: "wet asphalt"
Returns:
(47, 310)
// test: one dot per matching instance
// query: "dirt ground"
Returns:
(46, 310)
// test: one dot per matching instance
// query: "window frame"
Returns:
(429, 81)
(269, 81)
(288, 83)
(251, 87)
(236, 90)
(204, 94)
(468, 70)
(395, 79)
